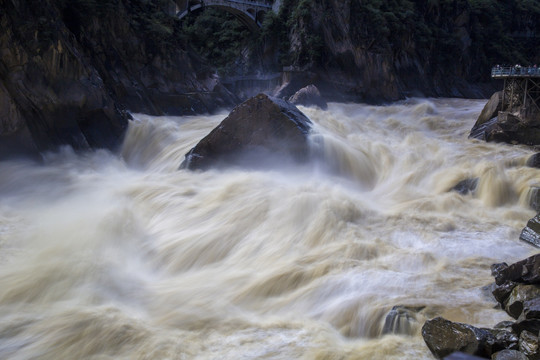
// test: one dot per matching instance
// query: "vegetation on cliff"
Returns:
(220, 38)
(391, 48)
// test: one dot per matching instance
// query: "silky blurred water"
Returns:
(106, 256)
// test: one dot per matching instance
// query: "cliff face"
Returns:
(50, 95)
(373, 50)
(67, 68)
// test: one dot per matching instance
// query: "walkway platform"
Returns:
(499, 72)
(521, 87)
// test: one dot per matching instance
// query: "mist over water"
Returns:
(126, 257)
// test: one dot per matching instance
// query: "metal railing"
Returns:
(504, 71)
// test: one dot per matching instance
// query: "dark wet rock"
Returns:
(309, 96)
(502, 339)
(534, 161)
(498, 272)
(511, 128)
(443, 337)
(505, 130)
(479, 132)
(528, 344)
(254, 130)
(507, 324)
(532, 325)
(526, 271)
(466, 186)
(519, 295)
(508, 355)
(531, 308)
(401, 320)
(502, 292)
(531, 232)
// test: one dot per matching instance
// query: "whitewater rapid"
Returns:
(123, 256)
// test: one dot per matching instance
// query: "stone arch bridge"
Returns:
(249, 12)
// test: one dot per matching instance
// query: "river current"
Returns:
(123, 256)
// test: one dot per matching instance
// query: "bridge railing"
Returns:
(503, 71)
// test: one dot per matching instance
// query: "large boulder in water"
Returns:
(258, 128)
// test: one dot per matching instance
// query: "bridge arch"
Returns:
(249, 12)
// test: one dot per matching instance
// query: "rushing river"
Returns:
(106, 256)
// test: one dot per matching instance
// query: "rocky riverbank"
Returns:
(517, 291)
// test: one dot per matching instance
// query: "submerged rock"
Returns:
(466, 186)
(309, 96)
(258, 128)
(534, 198)
(401, 320)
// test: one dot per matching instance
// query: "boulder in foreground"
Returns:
(258, 128)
